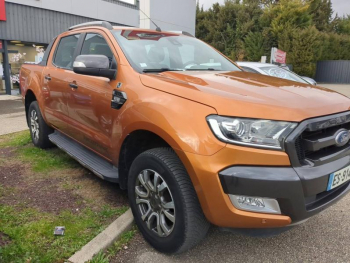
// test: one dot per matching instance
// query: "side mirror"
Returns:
(94, 65)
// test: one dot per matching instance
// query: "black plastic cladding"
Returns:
(315, 124)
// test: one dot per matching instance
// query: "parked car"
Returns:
(192, 138)
(274, 71)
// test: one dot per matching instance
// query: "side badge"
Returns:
(118, 99)
(119, 85)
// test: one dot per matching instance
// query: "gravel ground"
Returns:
(324, 238)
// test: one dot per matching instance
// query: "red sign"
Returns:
(0, 44)
(2, 10)
(280, 56)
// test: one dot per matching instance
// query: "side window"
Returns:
(95, 44)
(65, 51)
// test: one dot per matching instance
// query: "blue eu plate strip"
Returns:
(330, 182)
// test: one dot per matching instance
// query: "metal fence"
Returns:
(333, 71)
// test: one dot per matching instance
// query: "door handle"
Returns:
(47, 77)
(74, 86)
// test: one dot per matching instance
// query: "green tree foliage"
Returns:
(321, 11)
(248, 29)
(342, 25)
(254, 45)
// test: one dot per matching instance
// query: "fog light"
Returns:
(256, 204)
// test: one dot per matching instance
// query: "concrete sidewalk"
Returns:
(12, 115)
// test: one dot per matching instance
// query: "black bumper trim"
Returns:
(300, 196)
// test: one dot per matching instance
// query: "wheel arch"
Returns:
(133, 145)
(28, 99)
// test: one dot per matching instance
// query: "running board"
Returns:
(99, 166)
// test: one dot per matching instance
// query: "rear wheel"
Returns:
(164, 202)
(39, 130)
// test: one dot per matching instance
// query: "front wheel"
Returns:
(164, 202)
(39, 130)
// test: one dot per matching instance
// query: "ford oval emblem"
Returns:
(342, 137)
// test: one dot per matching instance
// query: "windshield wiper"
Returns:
(150, 70)
(204, 69)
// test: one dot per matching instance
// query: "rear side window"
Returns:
(65, 51)
(95, 44)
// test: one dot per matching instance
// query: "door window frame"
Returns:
(75, 52)
(83, 36)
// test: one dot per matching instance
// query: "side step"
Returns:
(86, 157)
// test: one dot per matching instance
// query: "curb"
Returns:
(106, 238)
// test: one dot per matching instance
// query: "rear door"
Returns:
(89, 102)
(56, 78)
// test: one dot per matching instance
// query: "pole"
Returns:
(7, 69)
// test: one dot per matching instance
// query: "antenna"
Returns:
(157, 27)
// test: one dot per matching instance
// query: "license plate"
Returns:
(338, 178)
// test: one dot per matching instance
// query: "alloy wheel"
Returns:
(155, 203)
(34, 124)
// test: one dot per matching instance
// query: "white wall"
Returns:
(179, 15)
(97, 9)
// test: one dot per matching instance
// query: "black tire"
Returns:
(40, 139)
(190, 225)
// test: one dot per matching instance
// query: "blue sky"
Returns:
(342, 7)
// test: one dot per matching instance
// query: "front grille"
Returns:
(313, 142)
(306, 155)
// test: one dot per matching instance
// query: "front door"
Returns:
(90, 101)
(56, 78)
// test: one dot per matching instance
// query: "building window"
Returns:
(19, 52)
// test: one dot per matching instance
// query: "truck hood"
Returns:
(250, 95)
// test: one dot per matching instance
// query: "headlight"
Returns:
(252, 132)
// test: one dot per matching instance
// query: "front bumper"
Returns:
(237, 170)
(300, 192)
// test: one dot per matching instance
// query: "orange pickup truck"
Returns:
(193, 138)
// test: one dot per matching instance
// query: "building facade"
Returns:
(169, 15)
(28, 26)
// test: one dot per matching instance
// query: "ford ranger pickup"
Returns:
(193, 139)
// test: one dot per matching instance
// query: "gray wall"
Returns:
(333, 71)
(169, 15)
(31, 24)
(109, 10)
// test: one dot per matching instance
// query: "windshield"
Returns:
(282, 73)
(156, 52)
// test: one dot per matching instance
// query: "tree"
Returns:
(254, 45)
(342, 25)
(248, 29)
(321, 11)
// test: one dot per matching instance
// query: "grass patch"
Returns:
(32, 238)
(16, 139)
(100, 258)
(46, 160)
(41, 160)
(124, 240)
